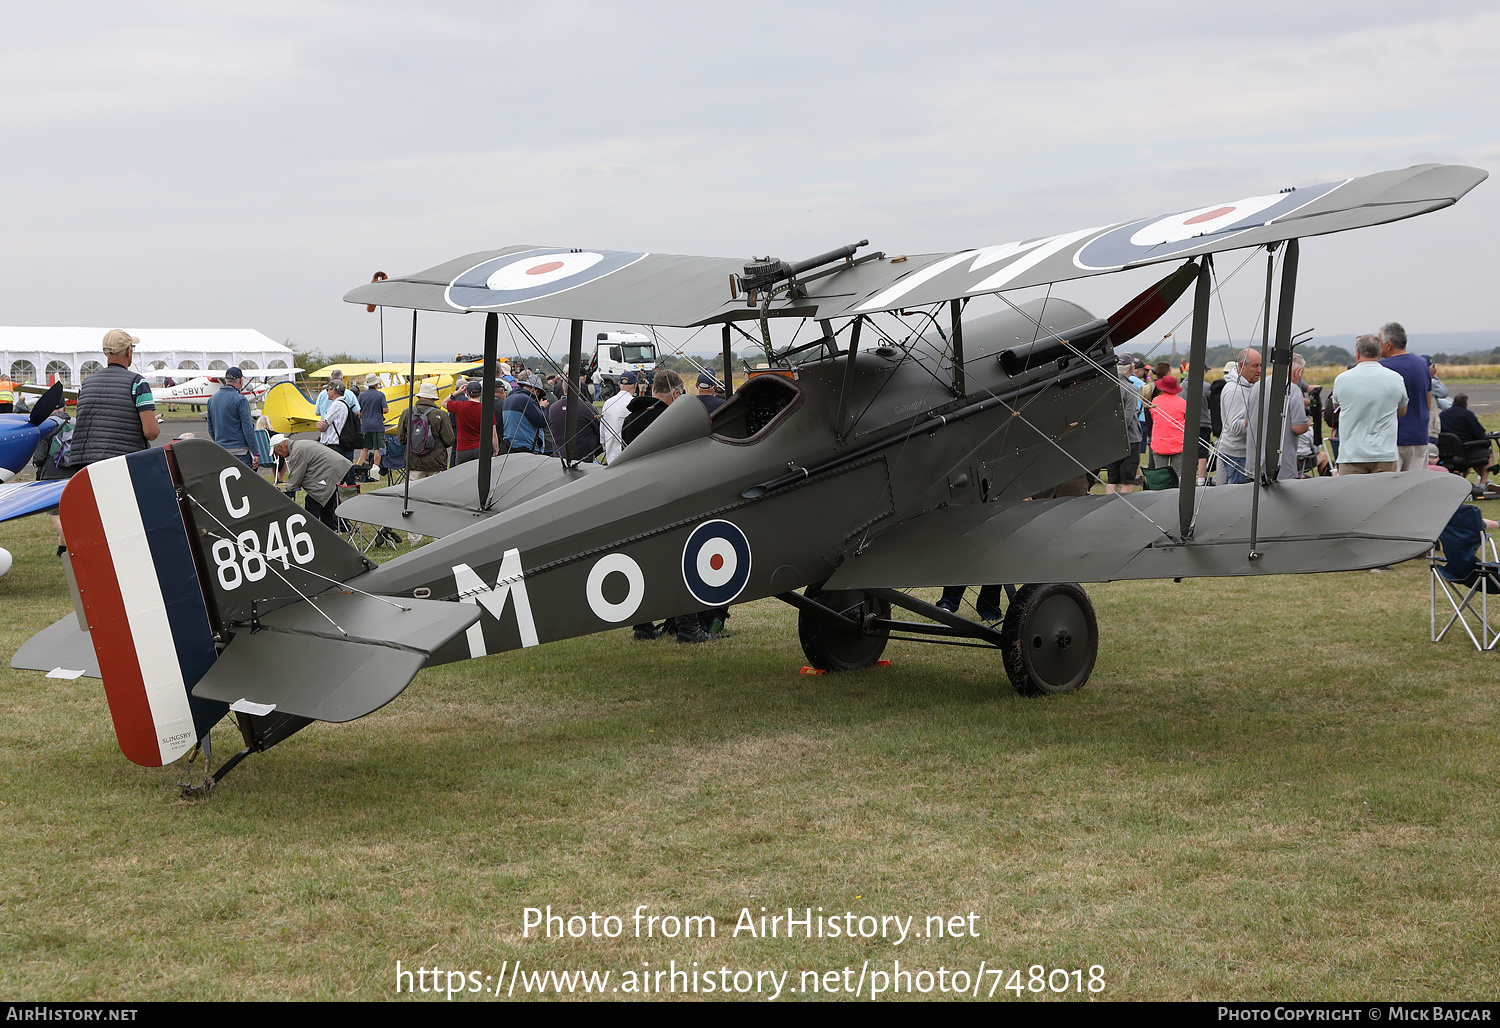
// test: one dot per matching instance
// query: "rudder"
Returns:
(145, 606)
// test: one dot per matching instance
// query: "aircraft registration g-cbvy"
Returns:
(857, 465)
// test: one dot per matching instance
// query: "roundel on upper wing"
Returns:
(1158, 238)
(532, 274)
(716, 563)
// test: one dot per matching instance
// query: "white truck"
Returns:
(616, 353)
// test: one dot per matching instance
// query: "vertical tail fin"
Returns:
(257, 550)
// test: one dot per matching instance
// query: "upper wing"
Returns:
(424, 369)
(191, 373)
(357, 368)
(667, 289)
(1251, 221)
(559, 282)
(1317, 524)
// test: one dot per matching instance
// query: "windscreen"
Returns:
(640, 353)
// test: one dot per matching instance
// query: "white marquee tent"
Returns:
(45, 355)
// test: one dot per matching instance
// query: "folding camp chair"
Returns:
(393, 461)
(1466, 579)
(362, 536)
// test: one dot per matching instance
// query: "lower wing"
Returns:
(1318, 524)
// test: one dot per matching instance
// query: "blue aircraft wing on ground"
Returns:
(18, 499)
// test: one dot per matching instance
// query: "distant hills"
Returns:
(1322, 349)
(1453, 342)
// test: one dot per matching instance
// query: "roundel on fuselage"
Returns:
(716, 563)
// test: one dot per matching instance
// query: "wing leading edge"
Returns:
(1313, 525)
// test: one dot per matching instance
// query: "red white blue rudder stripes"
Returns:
(144, 604)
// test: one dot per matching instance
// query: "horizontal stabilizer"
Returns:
(336, 657)
(1317, 524)
(448, 502)
(61, 644)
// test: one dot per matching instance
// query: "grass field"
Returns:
(1271, 788)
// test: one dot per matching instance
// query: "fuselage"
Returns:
(200, 390)
(18, 439)
(667, 529)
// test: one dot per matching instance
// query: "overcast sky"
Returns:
(186, 165)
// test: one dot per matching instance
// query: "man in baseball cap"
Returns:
(229, 421)
(117, 340)
(708, 391)
(524, 420)
(468, 415)
(612, 417)
(115, 415)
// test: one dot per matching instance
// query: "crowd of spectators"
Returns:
(1387, 412)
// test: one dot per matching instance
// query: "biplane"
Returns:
(880, 456)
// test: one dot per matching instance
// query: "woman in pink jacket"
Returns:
(1169, 411)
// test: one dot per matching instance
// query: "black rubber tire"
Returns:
(1050, 639)
(831, 647)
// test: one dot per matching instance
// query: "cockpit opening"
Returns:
(756, 409)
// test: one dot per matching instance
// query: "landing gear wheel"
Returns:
(829, 645)
(1050, 639)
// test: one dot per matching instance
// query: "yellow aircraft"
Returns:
(290, 411)
(424, 369)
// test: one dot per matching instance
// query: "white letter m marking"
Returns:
(471, 589)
